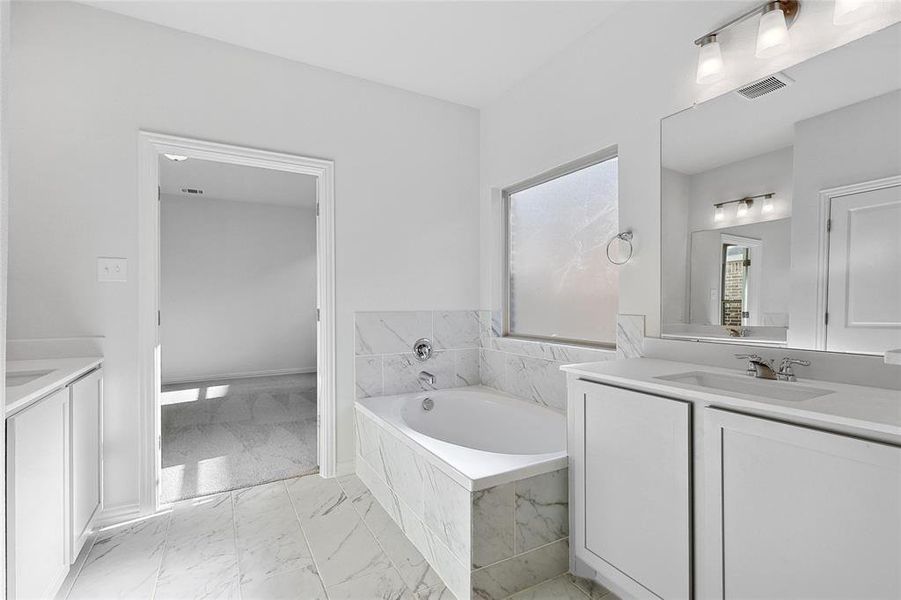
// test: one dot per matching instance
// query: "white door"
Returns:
(637, 499)
(864, 291)
(801, 513)
(85, 407)
(37, 541)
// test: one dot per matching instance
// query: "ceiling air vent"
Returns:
(191, 191)
(765, 86)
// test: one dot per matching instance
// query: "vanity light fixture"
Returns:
(767, 204)
(772, 32)
(710, 60)
(744, 205)
(176, 157)
(776, 16)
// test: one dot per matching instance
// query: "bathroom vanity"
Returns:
(694, 481)
(53, 466)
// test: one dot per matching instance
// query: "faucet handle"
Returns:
(751, 371)
(786, 373)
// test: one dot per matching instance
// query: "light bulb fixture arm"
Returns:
(747, 199)
(790, 8)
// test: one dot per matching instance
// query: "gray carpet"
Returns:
(224, 435)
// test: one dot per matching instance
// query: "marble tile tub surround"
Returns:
(383, 344)
(488, 544)
(530, 369)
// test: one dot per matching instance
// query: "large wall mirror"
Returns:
(781, 207)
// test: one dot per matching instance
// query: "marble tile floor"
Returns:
(224, 435)
(306, 538)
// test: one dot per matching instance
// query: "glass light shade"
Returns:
(772, 34)
(743, 208)
(767, 205)
(849, 11)
(710, 62)
(718, 213)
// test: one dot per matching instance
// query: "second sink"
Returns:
(745, 385)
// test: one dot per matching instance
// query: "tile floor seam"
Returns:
(159, 568)
(306, 539)
(81, 566)
(377, 540)
(231, 499)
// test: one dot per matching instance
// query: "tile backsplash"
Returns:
(468, 349)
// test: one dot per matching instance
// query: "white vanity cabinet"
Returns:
(37, 497)
(795, 512)
(681, 493)
(53, 466)
(632, 507)
(85, 413)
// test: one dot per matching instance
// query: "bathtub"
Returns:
(477, 482)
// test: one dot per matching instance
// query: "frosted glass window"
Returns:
(560, 283)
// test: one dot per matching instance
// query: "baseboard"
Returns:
(243, 375)
(117, 514)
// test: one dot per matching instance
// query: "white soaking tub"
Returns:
(477, 482)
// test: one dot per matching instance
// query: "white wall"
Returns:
(4, 255)
(675, 208)
(854, 144)
(238, 288)
(85, 81)
(611, 87)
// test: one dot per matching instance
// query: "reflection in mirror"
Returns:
(782, 214)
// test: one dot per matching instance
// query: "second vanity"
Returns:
(690, 481)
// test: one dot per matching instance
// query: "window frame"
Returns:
(556, 173)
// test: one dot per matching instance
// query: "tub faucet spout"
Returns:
(426, 377)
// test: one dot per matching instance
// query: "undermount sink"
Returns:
(774, 390)
(17, 378)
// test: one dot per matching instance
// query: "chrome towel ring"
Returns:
(626, 238)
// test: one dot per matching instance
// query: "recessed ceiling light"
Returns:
(176, 157)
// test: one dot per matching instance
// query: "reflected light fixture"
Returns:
(176, 157)
(776, 16)
(744, 206)
(710, 60)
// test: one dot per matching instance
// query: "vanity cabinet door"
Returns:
(637, 494)
(801, 513)
(37, 498)
(85, 408)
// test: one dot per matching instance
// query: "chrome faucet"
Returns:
(426, 377)
(758, 366)
(786, 373)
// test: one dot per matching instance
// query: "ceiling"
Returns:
(222, 181)
(466, 52)
(729, 128)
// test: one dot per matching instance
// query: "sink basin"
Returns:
(774, 390)
(17, 378)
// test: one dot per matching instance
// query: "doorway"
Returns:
(241, 387)
(237, 328)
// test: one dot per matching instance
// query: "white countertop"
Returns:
(874, 409)
(62, 371)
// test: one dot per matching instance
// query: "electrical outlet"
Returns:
(112, 269)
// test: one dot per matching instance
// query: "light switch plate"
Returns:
(112, 269)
